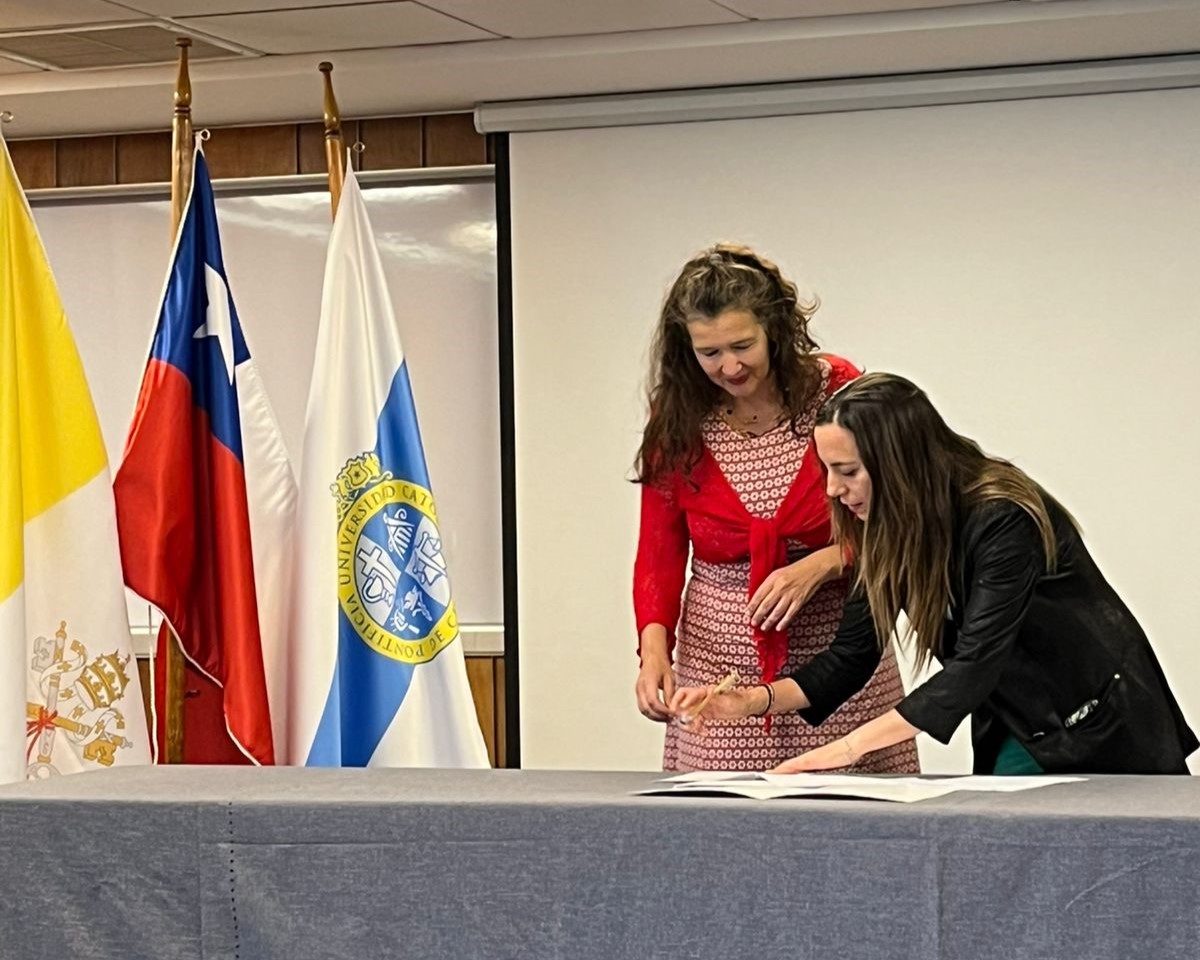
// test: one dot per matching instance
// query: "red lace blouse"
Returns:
(702, 509)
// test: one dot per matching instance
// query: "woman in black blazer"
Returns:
(1036, 647)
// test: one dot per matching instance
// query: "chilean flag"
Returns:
(205, 501)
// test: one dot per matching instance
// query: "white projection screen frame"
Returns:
(437, 242)
(1032, 263)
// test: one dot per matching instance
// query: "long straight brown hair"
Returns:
(921, 472)
(724, 277)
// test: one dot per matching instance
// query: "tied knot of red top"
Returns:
(768, 551)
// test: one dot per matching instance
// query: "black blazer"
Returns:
(1055, 659)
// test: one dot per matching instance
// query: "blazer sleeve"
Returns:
(1005, 559)
(661, 563)
(835, 675)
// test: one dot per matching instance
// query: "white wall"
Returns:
(1033, 264)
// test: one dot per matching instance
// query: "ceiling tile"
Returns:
(68, 51)
(554, 18)
(15, 66)
(27, 14)
(122, 46)
(794, 9)
(349, 27)
(204, 8)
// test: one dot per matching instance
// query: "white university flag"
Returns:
(378, 676)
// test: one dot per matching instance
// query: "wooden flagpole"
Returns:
(182, 146)
(335, 147)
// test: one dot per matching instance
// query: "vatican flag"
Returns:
(70, 698)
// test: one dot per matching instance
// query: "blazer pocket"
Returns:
(1095, 737)
(1095, 708)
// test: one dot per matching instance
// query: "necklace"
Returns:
(751, 426)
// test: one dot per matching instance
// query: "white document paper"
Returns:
(770, 786)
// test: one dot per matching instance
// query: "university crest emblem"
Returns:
(392, 583)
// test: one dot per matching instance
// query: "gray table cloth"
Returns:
(252, 864)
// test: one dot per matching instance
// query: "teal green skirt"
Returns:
(1015, 761)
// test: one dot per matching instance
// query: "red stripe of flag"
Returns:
(185, 546)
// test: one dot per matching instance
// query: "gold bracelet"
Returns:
(851, 759)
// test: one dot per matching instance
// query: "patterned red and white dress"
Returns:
(773, 486)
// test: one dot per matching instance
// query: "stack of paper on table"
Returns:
(769, 786)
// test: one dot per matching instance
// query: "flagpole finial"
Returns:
(183, 83)
(333, 116)
(182, 142)
(334, 145)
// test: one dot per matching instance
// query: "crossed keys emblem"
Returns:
(79, 698)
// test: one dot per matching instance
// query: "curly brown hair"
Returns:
(723, 277)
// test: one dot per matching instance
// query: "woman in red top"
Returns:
(727, 468)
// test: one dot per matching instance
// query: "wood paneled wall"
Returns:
(391, 143)
(485, 674)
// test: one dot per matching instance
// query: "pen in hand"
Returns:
(726, 683)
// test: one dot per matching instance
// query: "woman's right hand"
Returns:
(730, 705)
(654, 688)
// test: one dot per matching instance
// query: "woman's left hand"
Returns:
(884, 731)
(779, 597)
(833, 755)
